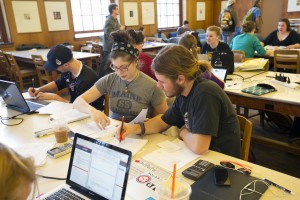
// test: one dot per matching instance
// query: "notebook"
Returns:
(97, 170)
(15, 100)
(220, 72)
(205, 187)
(258, 90)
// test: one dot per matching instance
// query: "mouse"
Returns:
(266, 86)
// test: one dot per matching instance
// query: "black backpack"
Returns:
(227, 59)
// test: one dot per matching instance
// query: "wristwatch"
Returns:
(142, 125)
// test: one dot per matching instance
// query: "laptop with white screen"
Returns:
(97, 170)
(14, 99)
(220, 72)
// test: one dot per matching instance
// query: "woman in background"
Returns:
(144, 60)
(213, 43)
(247, 41)
(129, 90)
(283, 36)
(190, 42)
(17, 174)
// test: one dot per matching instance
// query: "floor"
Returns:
(280, 161)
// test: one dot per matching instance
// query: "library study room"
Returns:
(98, 99)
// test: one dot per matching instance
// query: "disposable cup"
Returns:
(182, 190)
(60, 129)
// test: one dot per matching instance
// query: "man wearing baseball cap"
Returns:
(75, 76)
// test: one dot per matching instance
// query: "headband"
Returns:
(122, 46)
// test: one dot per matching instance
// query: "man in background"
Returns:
(111, 25)
(184, 28)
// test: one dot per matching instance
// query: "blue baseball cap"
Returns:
(58, 56)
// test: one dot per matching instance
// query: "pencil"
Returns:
(32, 85)
(173, 180)
(121, 131)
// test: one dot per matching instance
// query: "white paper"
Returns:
(169, 146)
(36, 150)
(166, 160)
(131, 144)
(55, 107)
(233, 85)
(71, 115)
(141, 117)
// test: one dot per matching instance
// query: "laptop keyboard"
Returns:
(33, 106)
(63, 194)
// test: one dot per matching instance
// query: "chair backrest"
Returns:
(153, 39)
(4, 65)
(246, 128)
(43, 74)
(287, 59)
(87, 48)
(13, 64)
(239, 56)
(174, 40)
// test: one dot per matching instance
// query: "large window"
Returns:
(89, 15)
(168, 13)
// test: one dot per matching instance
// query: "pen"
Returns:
(43, 132)
(121, 131)
(278, 186)
(32, 85)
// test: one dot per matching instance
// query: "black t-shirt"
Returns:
(221, 47)
(207, 110)
(80, 84)
(272, 39)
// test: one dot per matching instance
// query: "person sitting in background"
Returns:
(129, 90)
(144, 60)
(213, 43)
(184, 28)
(283, 36)
(247, 41)
(77, 77)
(201, 109)
(17, 175)
(190, 42)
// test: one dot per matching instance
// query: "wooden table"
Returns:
(285, 101)
(25, 56)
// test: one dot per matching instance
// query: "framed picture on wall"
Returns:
(57, 16)
(293, 5)
(148, 16)
(131, 16)
(200, 11)
(27, 17)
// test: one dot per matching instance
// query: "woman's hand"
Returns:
(33, 92)
(99, 118)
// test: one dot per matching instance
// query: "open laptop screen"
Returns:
(98, 169)
(221, 73)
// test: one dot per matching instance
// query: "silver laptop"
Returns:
(14, 99)
(97, 170)
(220, 72)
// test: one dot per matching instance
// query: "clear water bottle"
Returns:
(218, 62)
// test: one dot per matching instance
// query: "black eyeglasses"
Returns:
(122, 68)
(245, 169)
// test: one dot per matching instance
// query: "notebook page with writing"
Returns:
(132, 144)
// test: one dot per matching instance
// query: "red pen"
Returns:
(121, 131)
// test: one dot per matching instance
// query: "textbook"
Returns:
(253, 64)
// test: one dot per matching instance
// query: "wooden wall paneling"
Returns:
(289, 15)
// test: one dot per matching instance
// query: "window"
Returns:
(168, 13)
(4, 30)
(89, 15)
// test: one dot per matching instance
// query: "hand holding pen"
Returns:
(121, 130)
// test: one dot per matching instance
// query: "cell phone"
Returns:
(222, 177)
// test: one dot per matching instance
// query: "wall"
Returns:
(289, 15)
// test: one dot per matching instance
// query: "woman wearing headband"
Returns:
(17, 174)
(129, 90)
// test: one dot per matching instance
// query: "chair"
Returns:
(246, 129)
(4, 65)
(239, 56)
(106, 105)
(86, 48)
(43, 75)
(287, 59)
(22, 76)
(97, 48)
(174, 40)
(153, 39)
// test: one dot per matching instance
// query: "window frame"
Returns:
(180, 18)
(4, 28)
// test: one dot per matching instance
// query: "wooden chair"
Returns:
(22, 76)
(287, 59)
(153, 39)
(106, 105)
(43, 75)
(97, 48)
(4, 65)
(246, 129)
(239, 56)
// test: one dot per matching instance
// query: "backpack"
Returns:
(226, 21)
(249, 15)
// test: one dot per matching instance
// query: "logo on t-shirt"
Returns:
(186, 120)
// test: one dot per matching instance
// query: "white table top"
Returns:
(150, 45)
(23, 133)
(283, 94)
(43, 52)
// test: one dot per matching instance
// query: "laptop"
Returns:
(220, 72)
(97, 170)
(15, 100)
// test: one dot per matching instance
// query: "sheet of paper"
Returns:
(55, 107)
(169, 146)
(166, 160)
(36, 150)
(233, 85)
(141, 117)
(71, 115)
(131, 144)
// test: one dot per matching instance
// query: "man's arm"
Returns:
(198, 143)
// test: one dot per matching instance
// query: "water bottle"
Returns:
(218, 62)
